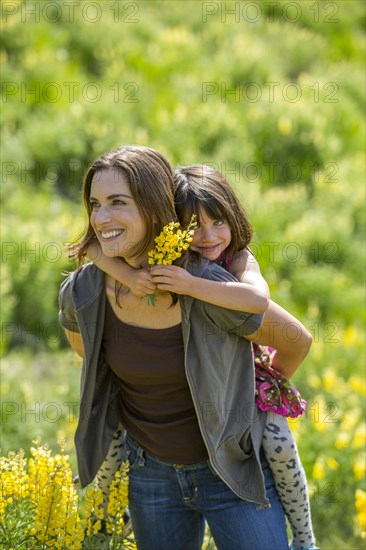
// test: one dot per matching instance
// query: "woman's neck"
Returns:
(133, 310)
(137, 262)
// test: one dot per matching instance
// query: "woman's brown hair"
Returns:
(150, 178)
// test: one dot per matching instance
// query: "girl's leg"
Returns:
(290, 479)
(110, 465)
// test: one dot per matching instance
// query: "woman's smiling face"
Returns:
(115, 218)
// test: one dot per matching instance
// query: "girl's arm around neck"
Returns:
(245, 268)
(139, 281)
(237, 296)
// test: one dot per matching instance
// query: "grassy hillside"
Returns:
(270, 93)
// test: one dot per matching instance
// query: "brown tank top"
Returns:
(156, 404)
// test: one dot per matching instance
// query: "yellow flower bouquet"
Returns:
(170, 245)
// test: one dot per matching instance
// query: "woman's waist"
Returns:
(171, 441)
(132, 446)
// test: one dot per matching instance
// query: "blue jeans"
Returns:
(169, 505)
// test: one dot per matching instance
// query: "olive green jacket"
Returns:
(219, 370)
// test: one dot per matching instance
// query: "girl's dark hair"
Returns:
(150, 178)
(201, 186)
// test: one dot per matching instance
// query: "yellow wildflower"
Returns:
(342, 441)
(352, 336)
(44, 496)
(329, 379)
(56, 520)
(93, 511)
(13, 480)
(316, 412)
(359, 467)
(360, 504)
(350, 419)
(318, 469)
(118, 500)
(332, 463)
(284, 126)
(170, 245)
(359, 438)
(358, 384)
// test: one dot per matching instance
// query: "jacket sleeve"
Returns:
(234, 322)
(67, 313)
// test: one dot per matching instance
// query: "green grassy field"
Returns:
(272, 94)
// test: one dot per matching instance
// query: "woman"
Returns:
(179, 377)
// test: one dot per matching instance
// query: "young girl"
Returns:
(222, 235)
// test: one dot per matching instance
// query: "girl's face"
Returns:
(115, 217)
(211, 237)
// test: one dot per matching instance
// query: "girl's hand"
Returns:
(172, 279)
(141, 283)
